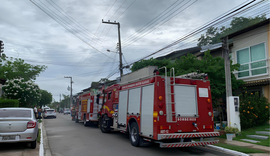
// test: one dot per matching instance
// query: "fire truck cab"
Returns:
(167, 110)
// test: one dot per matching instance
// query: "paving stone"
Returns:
(258, 137)
(263, 132)
(248, 140)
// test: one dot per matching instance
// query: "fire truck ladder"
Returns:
(169, 92)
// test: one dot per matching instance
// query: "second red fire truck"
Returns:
(172, 111)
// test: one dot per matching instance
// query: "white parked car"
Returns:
(18, 125)
(49, 113)
(66, 112)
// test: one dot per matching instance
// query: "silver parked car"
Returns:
(49, 113)
(66, 112)
(18, 125)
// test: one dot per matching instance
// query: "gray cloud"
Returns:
(32, 35)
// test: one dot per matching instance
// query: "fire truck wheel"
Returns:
(104, 125)
(134, 136)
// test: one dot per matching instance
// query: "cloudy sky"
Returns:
(68, 36)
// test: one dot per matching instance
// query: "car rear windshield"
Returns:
(15, 113)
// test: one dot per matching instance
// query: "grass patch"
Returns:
(252, 131)
(239, 148)
(39, 120)
(39, 133)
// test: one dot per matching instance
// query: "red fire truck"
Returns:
(87, 108)
(172, 111)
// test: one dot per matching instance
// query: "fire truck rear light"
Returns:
(29, 138)
(208, 127)
(209, 100)
(160, 98)
(161, 105)
(209, 113)
(164, 127)
(193, 82)
(160, 112)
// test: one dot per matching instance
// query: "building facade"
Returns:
(251, 50)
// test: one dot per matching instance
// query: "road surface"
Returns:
(67, 138)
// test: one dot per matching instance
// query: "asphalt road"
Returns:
(67, 138)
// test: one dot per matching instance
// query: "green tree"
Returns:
(213, 34)
(214, 67)
(65, 102)
(46, 98)
(17, 68)
(27, 92)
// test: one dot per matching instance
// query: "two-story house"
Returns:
(251, 50)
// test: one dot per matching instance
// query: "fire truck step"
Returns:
(187, 144)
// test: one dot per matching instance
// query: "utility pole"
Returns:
(227, 62)
(119, 42)
(70, 89)
(1, 47)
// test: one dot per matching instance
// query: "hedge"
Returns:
(254, 109)
(8, 103)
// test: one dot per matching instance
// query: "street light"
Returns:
(112, 51)
(70, 89)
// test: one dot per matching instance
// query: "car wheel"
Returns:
(33, 144)
(134, 136)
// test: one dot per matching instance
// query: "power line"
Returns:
(196, 31)
(152, 22)
(63, 25)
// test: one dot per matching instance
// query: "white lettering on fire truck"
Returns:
(136, 84)
(186, 119)
(164, 131)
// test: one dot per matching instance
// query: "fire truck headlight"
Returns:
(160, 112)
(209, 113)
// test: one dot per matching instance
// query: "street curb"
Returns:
(41, 148)
(228, 151)
(47, 150)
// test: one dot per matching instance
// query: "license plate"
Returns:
(9, 137)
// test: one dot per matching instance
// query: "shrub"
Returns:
(8, 103)
(254, 109)
(231, 130)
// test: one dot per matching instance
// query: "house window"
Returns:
(252, 61)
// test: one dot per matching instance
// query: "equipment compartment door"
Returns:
(134, 101)
(88, 105)
(122, 113)
(147, 110)
(186, 100)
